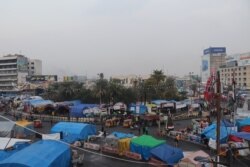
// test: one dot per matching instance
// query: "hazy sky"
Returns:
(122, 36)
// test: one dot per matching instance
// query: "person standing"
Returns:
(177, 139)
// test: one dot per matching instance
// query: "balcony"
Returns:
(7, 69)
(8, 74)
(6, 64)
(8, 79)
(7, 85)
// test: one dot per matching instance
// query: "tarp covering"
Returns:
(210, 132)
(16, 147)
(144, 144)
(6, 142)
(44, 153)
(74, 131)
(39, 102)
(120, 135)
(242, 135)
(243, 122)
(5, 128)
(78, 110)
(170, 155)
(138, 109)
(124, 145)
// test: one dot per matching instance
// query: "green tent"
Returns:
(144, 144)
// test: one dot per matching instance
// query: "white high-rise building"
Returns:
(212, 59)
(13, 71)
(35, 67)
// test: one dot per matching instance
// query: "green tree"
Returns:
(171, 91)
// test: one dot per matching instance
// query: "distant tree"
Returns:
(158, 76)
(193, 87)
(171, 91)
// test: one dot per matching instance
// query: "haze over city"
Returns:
(122, 37)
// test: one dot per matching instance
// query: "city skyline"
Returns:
(122, 37)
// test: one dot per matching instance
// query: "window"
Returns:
(245, 68)
(239, 69)
(244, 79)
(239, 74)
(245, 84)
(244, 73)
(32, 67)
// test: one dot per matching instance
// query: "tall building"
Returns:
(237, 67)
(13, 71)
(212, 59)
(35, 67)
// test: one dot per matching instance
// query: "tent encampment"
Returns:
(170, 155)
(44, 153)
(74, 131)
(78, 110)
(143, 145)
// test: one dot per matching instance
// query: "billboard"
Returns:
(205, 68)
(41, 78)
(213, 50)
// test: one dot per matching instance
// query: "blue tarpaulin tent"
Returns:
(143, 145)
(170, 155)
(138, 109)
(44, 153)
(243, 135)
(120, 135)
(78, 110)
(74, 131)
(210, 132)
(17, 147)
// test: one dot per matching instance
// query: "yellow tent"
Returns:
(123, 145)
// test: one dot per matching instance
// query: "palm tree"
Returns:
(158, 76)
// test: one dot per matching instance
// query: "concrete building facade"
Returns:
(35, 67)
(238, 67)
(13, 71)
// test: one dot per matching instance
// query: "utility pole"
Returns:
(234, 101)
(218, 96)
